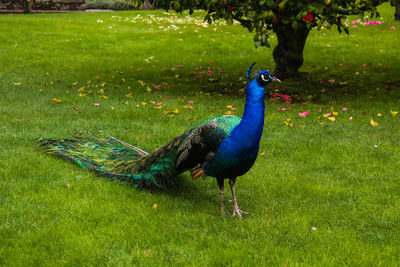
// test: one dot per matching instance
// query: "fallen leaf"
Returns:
(288, 123)
(56, 100)
(331, 118)
(394, 113)
(373, 123)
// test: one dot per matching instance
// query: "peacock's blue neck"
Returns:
(248, 132)
(237, 152)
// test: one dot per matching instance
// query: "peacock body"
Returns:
(222, 147)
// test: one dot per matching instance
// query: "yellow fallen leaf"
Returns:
(81, 89)
(82, 95)
(335, 113)
(288, 123)
(394, 113)
(144, 103)
(263, 153)
(379, 115)
(176, 111)
(331, 118)
(373, 123)
(101, 91)
(148, 89)
(129, 95)
(228, 112)
(154, 206)
(104, 96)
(158, 107)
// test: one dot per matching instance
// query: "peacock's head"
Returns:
(263, 78)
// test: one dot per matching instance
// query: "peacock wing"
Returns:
(202, 142)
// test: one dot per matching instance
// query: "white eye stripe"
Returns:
(263, 78)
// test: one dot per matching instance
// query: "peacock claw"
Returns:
(238, 212)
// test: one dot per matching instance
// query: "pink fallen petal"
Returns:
(393, 28)
(304, 114)
(153, 102)
(190, 101)
(374, 23)
(159, 103)
(344, 109)
(283, 109)
(350, 118)
(331, 81)
(137, 105)
(97, 104)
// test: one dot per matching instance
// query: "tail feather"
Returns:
(116, 159)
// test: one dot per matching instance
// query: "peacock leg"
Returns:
(236, 210)
(220, 182)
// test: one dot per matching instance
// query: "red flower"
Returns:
(230, 9)
(309, 17)
(275, 20)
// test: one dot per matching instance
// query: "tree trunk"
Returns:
(397, 13)
(288, 54)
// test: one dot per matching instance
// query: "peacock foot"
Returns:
(238, 212)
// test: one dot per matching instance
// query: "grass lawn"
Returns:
(325, 191)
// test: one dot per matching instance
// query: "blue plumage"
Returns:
(222, 147)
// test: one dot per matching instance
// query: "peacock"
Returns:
(222, 147)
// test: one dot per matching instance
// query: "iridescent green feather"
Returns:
(119, 160)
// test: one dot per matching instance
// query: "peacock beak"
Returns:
(274, 79)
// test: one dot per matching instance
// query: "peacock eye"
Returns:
(263, 78)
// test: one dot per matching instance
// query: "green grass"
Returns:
(108, 4)
(340, 177)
